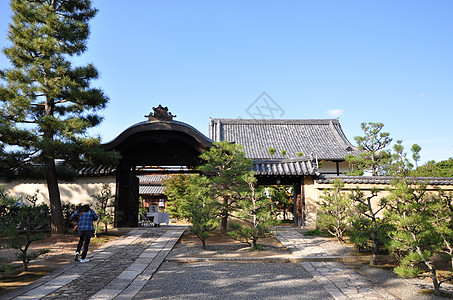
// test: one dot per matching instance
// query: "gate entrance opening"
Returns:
(157, 144)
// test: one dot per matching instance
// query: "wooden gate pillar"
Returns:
(299, 203)
(127, 197)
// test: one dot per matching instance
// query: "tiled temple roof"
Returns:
(321, 139)
(97, 171)
(152, 178)
(150, 190)
(285, 167)
(381, 180)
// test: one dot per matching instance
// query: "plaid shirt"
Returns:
(86, 220)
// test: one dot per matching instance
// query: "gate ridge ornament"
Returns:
(160, 114)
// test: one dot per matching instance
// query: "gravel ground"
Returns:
(232, 281)
(407, 289)
(191, 279)
(236, 280)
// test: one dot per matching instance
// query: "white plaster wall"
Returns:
(79, 191)
(314, 193)
(311, 208)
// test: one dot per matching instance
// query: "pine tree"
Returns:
(281, 197)
(192, 197)
(415, 215)
(225, 164)
(103, 208)
(374, 158)
(177, 192)
(367, 226)
(335, 211)
(47, 104)
(255, 209)
(202, 208)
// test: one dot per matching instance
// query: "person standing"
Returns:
(85, 217)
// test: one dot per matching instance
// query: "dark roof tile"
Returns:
(381, 180)
(285, 167)
(320, 138)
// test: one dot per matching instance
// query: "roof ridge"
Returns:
(275, 121)
(280, 160)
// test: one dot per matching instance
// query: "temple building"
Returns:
(304, 154)
(302, 147)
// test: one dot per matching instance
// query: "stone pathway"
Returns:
(311, 246)
(338, 279)
(117, 270)
(124, 269)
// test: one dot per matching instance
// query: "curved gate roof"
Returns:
(148, 126)
(160, 142)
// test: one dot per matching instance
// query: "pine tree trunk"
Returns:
(374, 242)
(57, 221)
(223, 228)
(451, 260)
(433, 272)
(435, 281)
(224, 224)
(24, 252)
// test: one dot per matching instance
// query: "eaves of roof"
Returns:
(151, 190)
(284, 167)
(380, 180)
(97, 171)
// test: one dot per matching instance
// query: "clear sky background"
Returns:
(359, 61)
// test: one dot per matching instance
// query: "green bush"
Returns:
(6, 268)
(315, 232)
(361, 233)
(22, 226)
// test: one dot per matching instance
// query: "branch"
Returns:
(60, 101)
(379, 210)
(368, 215)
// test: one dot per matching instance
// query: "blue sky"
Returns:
(359, 61)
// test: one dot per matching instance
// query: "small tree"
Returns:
(24, 225)
(373, 158)
(281, 197)
(193, 198)
(201, 208)
(177, 192)
(256, 209)
(412, 212)
(366, 225)
(103, 204)
(224, 164)
(443, 220)
(334, 209)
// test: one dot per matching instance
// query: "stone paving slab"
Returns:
(311, 246)
(116, 269)
(339, 280)
(136, 274)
